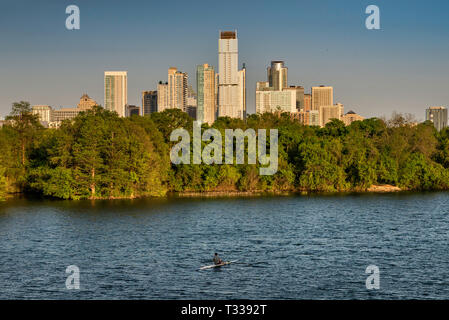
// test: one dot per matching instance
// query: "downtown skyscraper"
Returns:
(322, 96)
(274, 95)
(177, 89)
(172, 94)
(206, 107)
(116, 91)
(277, 75)
(230, 98)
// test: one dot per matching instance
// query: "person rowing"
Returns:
(218, 263)
(217, 259)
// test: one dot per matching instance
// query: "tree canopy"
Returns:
(100, 155)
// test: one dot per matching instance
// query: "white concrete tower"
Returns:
(228, 85)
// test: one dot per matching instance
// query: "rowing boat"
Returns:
(218, 265)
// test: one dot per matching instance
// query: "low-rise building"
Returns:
(64, 113)
(86, 102)
(52, 118)
(350, 117)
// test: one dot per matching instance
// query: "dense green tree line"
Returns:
(100, 155)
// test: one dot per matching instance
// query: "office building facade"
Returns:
(149, 102)
(275, 101)
(322, 96)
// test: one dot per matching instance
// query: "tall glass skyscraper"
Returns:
(205, 79)
(116, 91)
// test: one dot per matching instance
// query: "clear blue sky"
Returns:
(403, 67)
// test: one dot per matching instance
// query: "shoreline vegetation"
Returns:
(99, 155)
(372, 189)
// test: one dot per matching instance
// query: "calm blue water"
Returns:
(294, 247)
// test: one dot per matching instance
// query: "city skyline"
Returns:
(373, 72)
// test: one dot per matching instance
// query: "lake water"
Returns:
(288, 247)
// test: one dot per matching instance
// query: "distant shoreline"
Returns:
(255, 193)
(372, 189)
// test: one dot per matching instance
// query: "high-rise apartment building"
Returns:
(149, 102)
(162, 96)
(206, 108)
(177, 89)
(228, 85)
(322, 96)
(277, 75)
(438, 116)
(116, 91)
